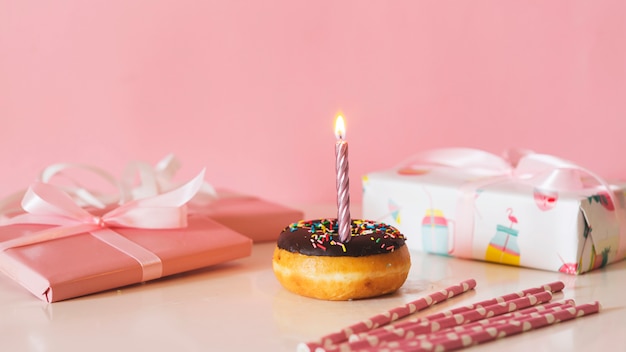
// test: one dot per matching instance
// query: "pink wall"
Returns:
(250, 88)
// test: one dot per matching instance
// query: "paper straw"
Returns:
(389, 316)
(523, 324)
(552, 287)
(454, 341)
(532, 311)
(428, 326)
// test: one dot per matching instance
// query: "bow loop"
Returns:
(551, 173)
(147, 217)
(533, 164)
(166, 210)
(159, 179)
(82, 195)
(44, 200)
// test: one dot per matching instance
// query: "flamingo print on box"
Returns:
(436, 231)
(503, 245)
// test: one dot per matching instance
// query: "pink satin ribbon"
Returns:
(157, 179)
(542, 171)
(46, 204)
(153, 180)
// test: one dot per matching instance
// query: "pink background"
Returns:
(250, 89)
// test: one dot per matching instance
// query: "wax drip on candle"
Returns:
(343, 181)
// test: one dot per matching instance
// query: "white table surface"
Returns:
(239, 306)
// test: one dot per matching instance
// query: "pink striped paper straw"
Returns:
(389, 316)
(552, 287)
(473, 326)
(454, 341)
(425, 327)
(496, 331)
(532, 311)
(381, 337)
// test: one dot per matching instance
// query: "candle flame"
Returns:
(340, 127)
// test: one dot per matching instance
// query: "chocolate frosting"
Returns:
(320, 238)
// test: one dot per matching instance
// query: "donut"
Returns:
(310, 260)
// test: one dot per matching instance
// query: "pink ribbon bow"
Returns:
(153, 180)
(158, 179)
(46, 204)
(540, 170)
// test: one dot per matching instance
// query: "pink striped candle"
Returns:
(344, 226)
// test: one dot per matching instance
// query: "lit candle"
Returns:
(343, 182)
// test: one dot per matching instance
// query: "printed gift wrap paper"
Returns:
(529, 210)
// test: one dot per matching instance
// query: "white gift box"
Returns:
(538, 212)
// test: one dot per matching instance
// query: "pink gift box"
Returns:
(256, 218)
(82, 264)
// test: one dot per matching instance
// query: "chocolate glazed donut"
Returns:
(310, 260)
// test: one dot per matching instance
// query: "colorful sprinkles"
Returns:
(324, 233)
